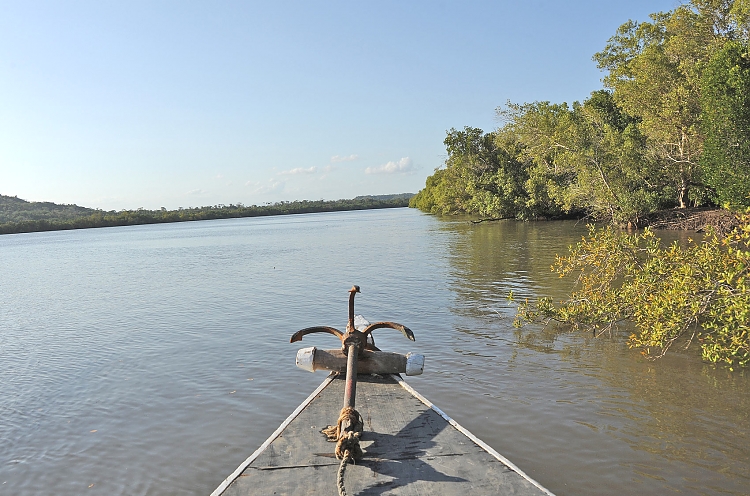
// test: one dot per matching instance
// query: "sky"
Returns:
(121, 105)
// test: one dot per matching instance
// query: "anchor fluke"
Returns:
(297, 336)
(389, 325)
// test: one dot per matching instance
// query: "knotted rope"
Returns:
(347, 441)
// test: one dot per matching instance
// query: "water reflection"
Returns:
(674, 424)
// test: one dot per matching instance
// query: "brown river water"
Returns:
(154, 359)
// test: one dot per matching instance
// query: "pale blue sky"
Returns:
(134, 104)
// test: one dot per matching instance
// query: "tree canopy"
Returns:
(671, 128)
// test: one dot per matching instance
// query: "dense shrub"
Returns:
(697, 293)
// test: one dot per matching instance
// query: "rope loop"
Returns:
(346, 438)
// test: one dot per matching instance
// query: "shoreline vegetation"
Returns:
(665, 144)
(20, 216)
(672, 294)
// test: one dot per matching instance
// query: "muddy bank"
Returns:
(694, 219)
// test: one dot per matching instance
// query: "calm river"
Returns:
(155, 359)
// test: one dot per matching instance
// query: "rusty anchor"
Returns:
(356, 345)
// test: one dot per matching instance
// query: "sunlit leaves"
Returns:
(670, 293)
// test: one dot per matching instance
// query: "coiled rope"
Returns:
(347, 441)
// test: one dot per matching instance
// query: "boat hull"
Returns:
(410, 447)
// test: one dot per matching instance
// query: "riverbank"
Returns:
(45, 216)
(699, 219)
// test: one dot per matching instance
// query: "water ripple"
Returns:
(153, 359)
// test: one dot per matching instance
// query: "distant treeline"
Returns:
(671, 129)
(46, 216)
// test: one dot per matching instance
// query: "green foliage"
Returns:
(34, 217)
(740, 13)
(592, 157)
(548, 160)
(654, 69)
(672, 130)
(537, 127)
(699, 292)
(726, 124)
(482, 175)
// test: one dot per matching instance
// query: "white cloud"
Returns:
(345, 158)
(403, 165)
(273, 185)
(197, 192)
(299, 170)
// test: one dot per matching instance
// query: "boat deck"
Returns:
(410, 448)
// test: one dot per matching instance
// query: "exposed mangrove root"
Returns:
(492, 219)
(695, 219)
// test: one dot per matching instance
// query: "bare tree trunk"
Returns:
(682, 195)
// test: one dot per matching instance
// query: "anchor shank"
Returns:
(350, 390)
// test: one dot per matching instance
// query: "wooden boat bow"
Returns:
(410, 446)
